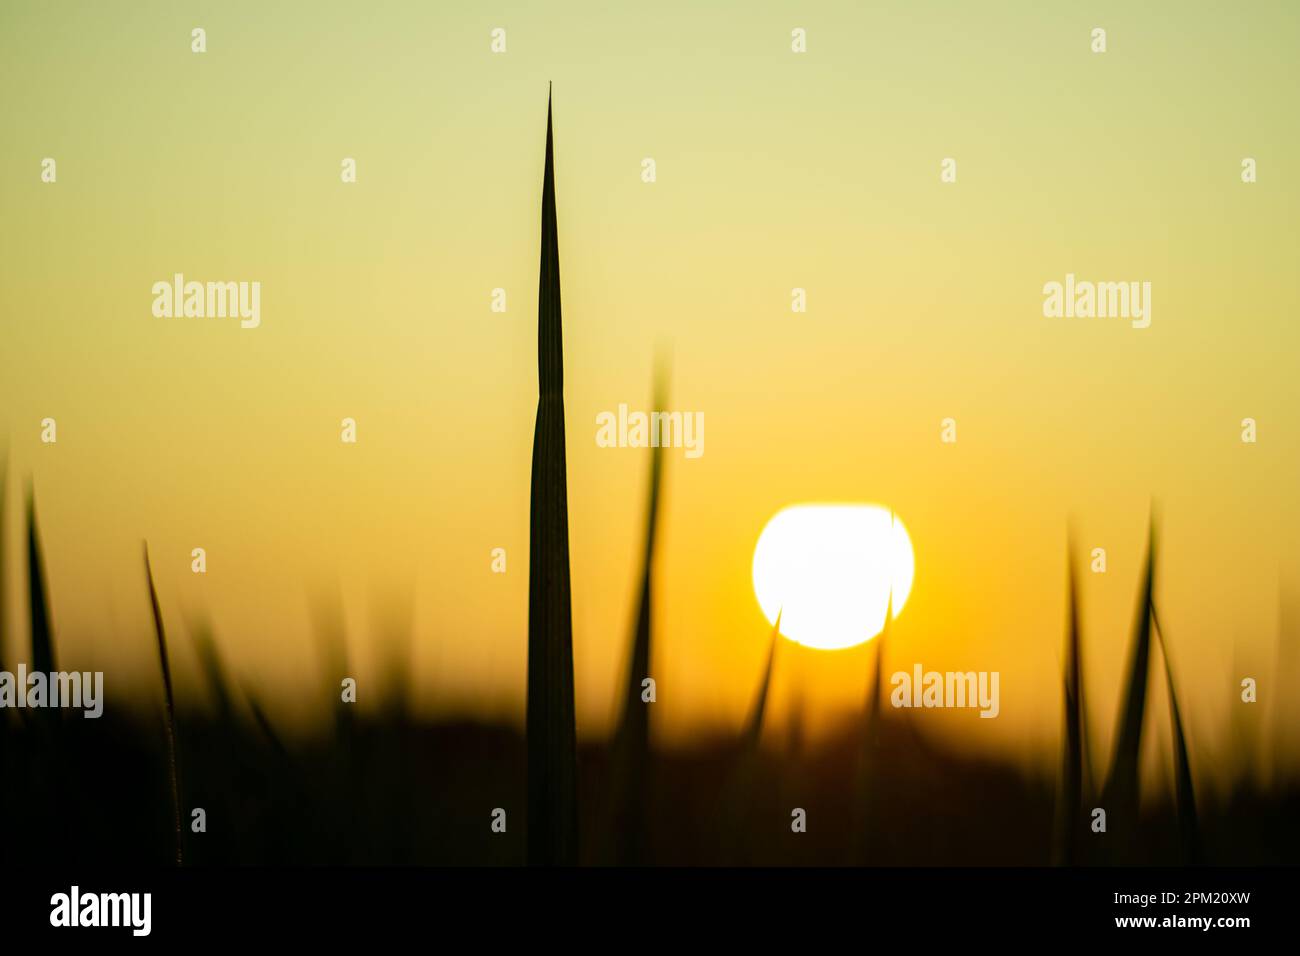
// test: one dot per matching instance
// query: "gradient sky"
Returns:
(775, 170)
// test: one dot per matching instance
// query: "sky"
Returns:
(775, 170)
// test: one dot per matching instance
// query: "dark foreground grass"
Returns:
(423, 793)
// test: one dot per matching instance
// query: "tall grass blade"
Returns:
(265, 726)
(878, 676)
(865, 803)
(735, 806)
(205, 648)
(1070, 802)
(173, 772)
(631, 756)
(551, 729)
(754, 726)
(1184, 792)
(1121, 791)
(331, 640)
(38, 596)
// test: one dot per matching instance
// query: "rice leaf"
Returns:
(1184, 792)
(736, 800)
(631, 752)
(551, 729)
(205, 648)
(878, 675)
(38, 595)
(1070, 800)
(1121, 791)
(331, 641)
(265, 726)
(865, 803)
(754, 726)
(173, 771)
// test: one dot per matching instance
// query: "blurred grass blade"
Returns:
(331, 640)
(551, 729)
(205, 647)
(1070, 800)
(865, 804)
(736, 804)
(1121, 792)
(173, 771)
(878, 677)
(631, 756)
(754, 726)
(265, 726)
(38, 595)
(1184, 792)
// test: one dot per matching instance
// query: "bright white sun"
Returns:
(828, 570)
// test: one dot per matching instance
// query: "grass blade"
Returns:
(865, 807)
(631, 753)
(754, 726)
(1070, 803)
(328, 618)
(878, 676)
(205, 648)
(173, 771)
(1184, 792)
(551, 728)
(736, 803)
(38, 595)
(1121, 791)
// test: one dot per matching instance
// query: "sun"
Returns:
(829, 569)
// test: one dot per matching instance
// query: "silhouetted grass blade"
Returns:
(735, 806)
(173, 771)
(205, 648)
(1121, 791)
(38, 596)
(552, 743)
(865, 809)
(631, 752)
(754, 726)
(1184, 792)
(331, 640)
(1070, 807)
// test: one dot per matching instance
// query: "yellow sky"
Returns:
(774, 171)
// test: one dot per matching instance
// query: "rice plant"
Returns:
(1120, 794)
(1184, 792)
(1073, 755)
(38, 596)
(630, 757)
(169, 723)
(867, 772)
(552, 734)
